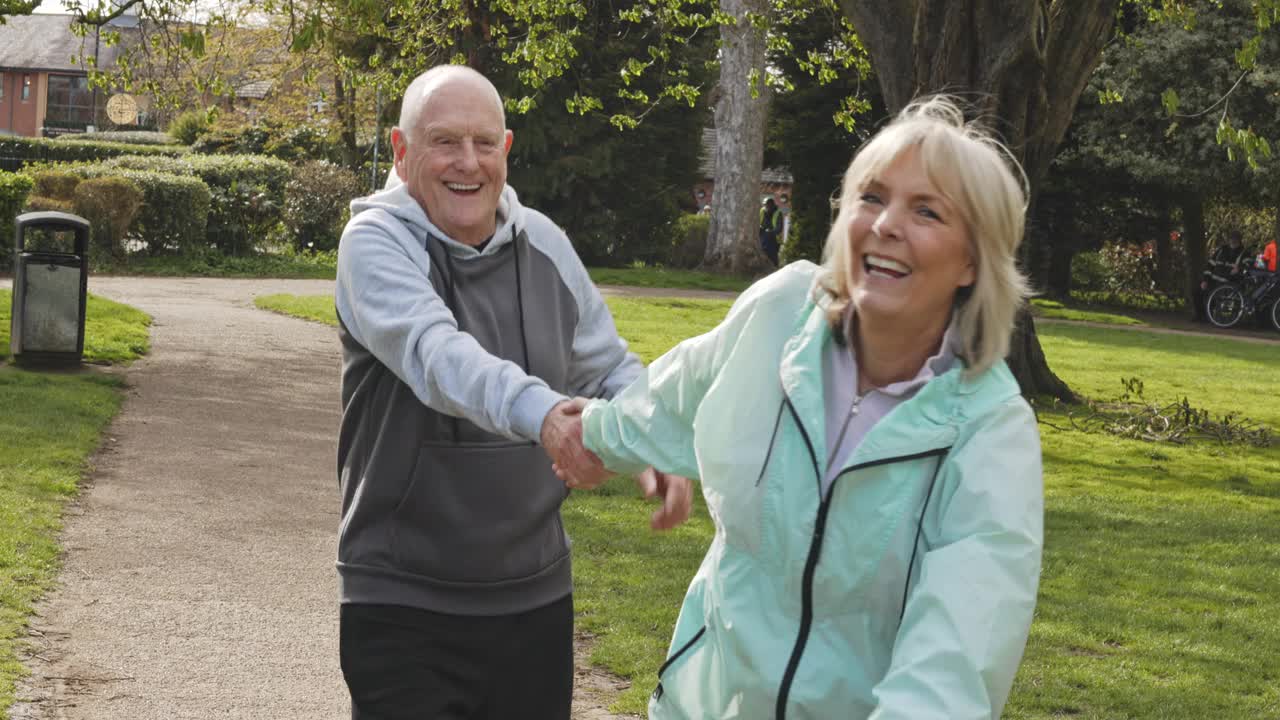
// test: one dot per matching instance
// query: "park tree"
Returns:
(740, 115)
(826, 100)
(1130, 125)
(1022, 63)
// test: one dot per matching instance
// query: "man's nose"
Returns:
(468, 159)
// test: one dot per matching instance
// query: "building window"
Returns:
(2, 79)
(26, 87)
(70, 102)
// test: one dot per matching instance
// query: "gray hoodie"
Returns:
(452, 357)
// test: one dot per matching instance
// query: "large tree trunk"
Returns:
(1193, 244)
(1023, 65)
(732, 237)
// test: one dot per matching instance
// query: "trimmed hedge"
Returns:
(34, 150)
(246, 193)
(14, 189)
(129, 137)
(175, 208)
(110, 204)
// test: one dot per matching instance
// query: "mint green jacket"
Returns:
(904, 594)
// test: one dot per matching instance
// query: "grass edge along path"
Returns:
(52, 422)
(1161, 561)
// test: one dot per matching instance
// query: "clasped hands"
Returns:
(580, 469)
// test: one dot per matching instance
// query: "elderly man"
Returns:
(467, 322)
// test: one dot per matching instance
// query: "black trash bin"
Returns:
(50, 287)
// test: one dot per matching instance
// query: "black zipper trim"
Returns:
(915, 546)
(811, 566)
(657, 692)
(804, 434)
(777, 423)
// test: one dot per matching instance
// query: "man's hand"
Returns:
(577, 466)
(676, 493)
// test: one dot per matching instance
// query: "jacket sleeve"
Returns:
(386, 301)
(966, 620)
(651, 421)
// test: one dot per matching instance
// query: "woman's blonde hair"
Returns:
(978, 176)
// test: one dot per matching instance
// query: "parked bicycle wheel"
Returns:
(1225, 306)
(1275, 314)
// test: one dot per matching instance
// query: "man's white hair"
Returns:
(415, 96)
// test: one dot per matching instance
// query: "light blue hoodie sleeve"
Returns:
(385, 299)
(967, 619)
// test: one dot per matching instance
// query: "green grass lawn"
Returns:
(50, 423)
(1160, 596)
(658, 277)
(314, 266)
(1041, 307)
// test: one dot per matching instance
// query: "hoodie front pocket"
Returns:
(480, 513)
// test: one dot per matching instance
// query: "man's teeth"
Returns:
(461, 187)
(893, 267)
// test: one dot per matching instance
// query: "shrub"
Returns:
(40, 203)
(247, 197)
(687, 240)
(246, 193)
(56, 184)
(175, 209)
(14, 189)
(35, 150)
(801, 244)
(131, 137)
(110, 204)
(189, 126)
(297, 143)
(1088, 272)
(317, 203)
(230, 140)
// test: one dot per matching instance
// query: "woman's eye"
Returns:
(926, 211)
(869, 197)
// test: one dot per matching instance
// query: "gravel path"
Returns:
(198, 577)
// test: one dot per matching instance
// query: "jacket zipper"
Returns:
(657, 692)
(815, 550)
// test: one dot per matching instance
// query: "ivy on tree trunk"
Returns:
(1022, 64)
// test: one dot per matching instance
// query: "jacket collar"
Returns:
(930, 420)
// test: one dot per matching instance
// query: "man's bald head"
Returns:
(420, 90)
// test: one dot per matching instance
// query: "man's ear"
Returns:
(507, 145)
(398, 144)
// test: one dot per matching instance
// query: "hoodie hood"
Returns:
(397, 201)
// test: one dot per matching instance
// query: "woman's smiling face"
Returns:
(910, 249)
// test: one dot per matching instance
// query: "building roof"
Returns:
(707, 163)
(47, 43)
(256, 90)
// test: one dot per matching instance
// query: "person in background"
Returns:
(770, 229)
(1225, 262)
(873, 473)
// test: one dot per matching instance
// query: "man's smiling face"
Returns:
(454, 161)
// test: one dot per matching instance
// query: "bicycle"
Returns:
(1243, 296)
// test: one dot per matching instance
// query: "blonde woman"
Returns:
(872, 471)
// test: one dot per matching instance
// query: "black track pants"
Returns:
(402, 663)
